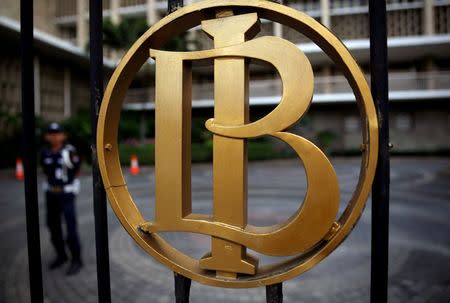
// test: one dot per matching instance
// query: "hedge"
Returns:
(201, 152)
(78, 130)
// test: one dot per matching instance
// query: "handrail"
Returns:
(400, 81)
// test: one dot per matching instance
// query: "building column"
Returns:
(326, 74)
(114, 9)
(428, 30)
(325, 18)
(37, 86)
(152, 13)
(428, 17)
(429, 66)
(67, 93)
(191, 37)
(277, 27)
(82, 24)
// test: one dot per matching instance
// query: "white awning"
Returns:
(396, 96)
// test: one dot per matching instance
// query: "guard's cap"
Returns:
(55, 128)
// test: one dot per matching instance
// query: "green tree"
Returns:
(78, 129)
(124, 34)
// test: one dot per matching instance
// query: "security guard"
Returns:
(61, 165)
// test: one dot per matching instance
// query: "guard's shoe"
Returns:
(58, 262)
(74, 268)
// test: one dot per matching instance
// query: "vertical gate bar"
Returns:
(100, 208)
(182, 288)
(182, 283)
(380, 188)
(274, 293)
(29, 151)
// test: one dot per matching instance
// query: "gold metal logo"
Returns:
(313, 231)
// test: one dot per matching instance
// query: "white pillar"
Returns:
(327, 77)
(428, 30)
(191, 36)
(325, 13)
(428, 17)
(37, 87)
(325, 19)
(277, 29)
(67, 93)
(114, 8)
(429, 69)
(82, 26)
(152, 13)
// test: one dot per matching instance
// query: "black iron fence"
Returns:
(29, 151)
(380, 190)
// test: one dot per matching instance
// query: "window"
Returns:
(352, 124)
(403, 122)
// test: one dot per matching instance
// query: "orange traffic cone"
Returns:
(19, 169)
(134, 169)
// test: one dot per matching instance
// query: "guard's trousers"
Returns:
(63, 205)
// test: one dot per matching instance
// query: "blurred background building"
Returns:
(419, 66)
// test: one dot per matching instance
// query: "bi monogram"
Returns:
(314, 230)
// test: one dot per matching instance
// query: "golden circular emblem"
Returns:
(314, 231)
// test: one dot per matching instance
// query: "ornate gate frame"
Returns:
(274, 294)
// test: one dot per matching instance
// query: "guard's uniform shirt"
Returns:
(61, 187)
(61, 169)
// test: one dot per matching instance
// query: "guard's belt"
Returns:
(73, 188)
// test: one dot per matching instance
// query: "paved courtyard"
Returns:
(419, 238)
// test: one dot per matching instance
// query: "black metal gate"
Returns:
(380, 189)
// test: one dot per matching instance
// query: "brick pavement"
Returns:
(419, 255)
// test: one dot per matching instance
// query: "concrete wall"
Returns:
(61, 87)
(44, 13)
(10, 84)
(425, 130)
(10, 9)
(414, 127)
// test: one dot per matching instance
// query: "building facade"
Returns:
(419, 66)
(419, 75)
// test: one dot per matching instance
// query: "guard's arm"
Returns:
(74, 160)
(45, 166)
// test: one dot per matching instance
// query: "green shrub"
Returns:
(144, 152)
(325, 139)
(78, 130)
(11, 138)
(201, 152)
(128, 127)
(199, 133)
(261, 150)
